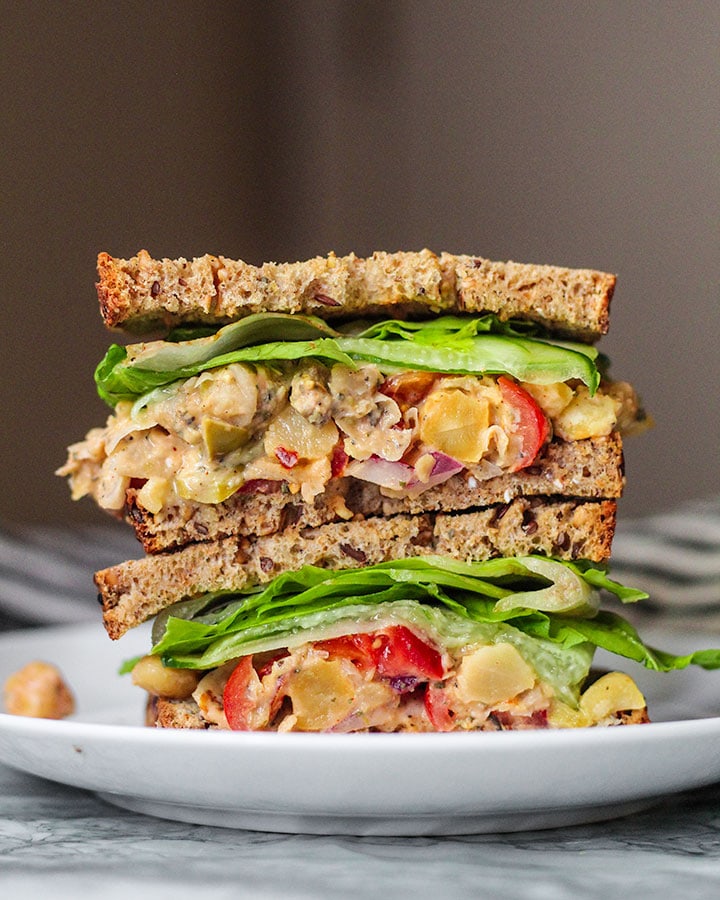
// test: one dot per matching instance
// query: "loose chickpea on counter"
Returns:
(38, 690)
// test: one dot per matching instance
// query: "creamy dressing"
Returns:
(203, 438)
(484, 687)
(308, 690)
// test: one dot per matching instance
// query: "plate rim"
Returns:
(89, 631)
(120, 760)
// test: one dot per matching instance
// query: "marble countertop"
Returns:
(59, 841)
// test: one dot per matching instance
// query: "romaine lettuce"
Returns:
(449, 344)
(469, 590)
(455, 602)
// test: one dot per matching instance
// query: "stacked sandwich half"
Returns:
(374, 494)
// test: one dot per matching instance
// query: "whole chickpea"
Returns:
(176, 684)
(38, 690)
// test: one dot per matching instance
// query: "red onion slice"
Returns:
(392, 475)
(398, 476)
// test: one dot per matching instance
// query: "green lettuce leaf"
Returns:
(616, 635)
(527, 359)
(564, 665)
(456, 328)
(117, 379)
(448, 344)
(210, 629)
(454, 602)
(460, 330)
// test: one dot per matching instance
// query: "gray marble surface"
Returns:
(57, 842)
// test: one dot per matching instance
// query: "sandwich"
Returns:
(374, 494)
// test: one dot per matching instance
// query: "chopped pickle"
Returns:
(453, 422)
(207, 487)
(220, 437)
(153, 493)
(494, 673)
(610, 694)
(560, 715)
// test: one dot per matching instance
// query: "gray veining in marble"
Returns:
(58, 842)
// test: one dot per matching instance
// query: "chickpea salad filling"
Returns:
(422, 644)
(401, 405)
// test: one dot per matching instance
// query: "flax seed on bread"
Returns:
(591, 469)
(142, 293)
(138, 589)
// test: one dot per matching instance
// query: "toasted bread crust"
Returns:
(591, 469)
(165, 713)
(156, 292)
(135, 590)
(541, 293)
(141, 293)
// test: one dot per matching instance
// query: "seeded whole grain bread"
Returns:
(165, 713)
(591, 469)
(142, 293)
(136, 590)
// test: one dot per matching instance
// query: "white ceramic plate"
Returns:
(355, 784)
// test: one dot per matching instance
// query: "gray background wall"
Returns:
(571, 133)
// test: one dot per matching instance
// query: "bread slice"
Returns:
(571, 301)
(142, 293)
(591, 469)
(165, 713)
(136, 590)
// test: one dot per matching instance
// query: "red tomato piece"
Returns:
(358, 648)
(532, 426)
(395, 652)
(286, 458)
(266, 667)
(237, 702)
(437, 708)
(402, 652)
